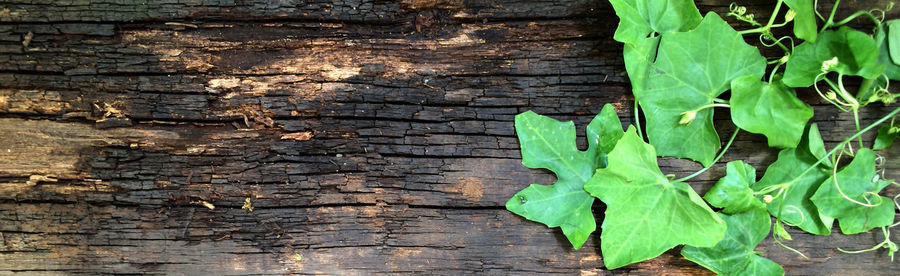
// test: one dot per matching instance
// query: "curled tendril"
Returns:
(791, 209)
(737, 10)
(831, 96)
(766, 36)
(740, 12)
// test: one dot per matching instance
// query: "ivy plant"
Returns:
(683, 66)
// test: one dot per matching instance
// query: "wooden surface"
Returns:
(370, 137)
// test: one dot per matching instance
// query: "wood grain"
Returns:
(121, 122)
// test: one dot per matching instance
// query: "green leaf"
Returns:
(550, 144)
(646, 214)
(856, 53)
(638, 58)
(639, 18)
(857, 181)
(885, 138)
(770, 109)
(733, 192)
(691, 69)
(793, 205)
(893, 39)
(734, 255)
(885, 53)
(805, 19)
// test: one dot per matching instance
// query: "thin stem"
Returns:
(778, 241)
(830, 19)
(844, 94)
(856, 120)
(721, 153)
(854, 16)
(843, 143)
(774, 13)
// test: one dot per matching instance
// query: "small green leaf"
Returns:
(804, 20)
(780, 232)
(639, 18)
(691, 69)
(646, 213)
(793, 205)
(550, 144)
(733, 192)
(770, 109)
(858, 182)
(856, 54)
(734, 255)
(885, 138)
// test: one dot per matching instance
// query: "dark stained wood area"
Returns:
(369, 137)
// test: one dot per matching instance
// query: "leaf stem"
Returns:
(778, 241)
(721, 153)
(830, 21)
(887, 243)
(854, 16)
(856, 120)
(774, 14)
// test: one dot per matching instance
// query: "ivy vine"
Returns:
(680, 64)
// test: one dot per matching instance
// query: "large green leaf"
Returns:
(639, 18)
(734, 255)
(857, 181)
(646, 214)
(856, 54)
(770, 109)
(550, 144)
(804, 19)
(638, 58)
(793, 205)
(691, 69)
(733, 192)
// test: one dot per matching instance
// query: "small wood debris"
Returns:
(27, 39)
(205, 204)
(35, 179)
(247, 206)
(298, 136)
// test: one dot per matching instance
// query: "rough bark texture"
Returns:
(369, 137)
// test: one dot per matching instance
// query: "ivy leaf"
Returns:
(805, 19)
(857, 181)
(691, 69)
(856, 54)
(638, 58)
(550, 144)
(733, 192)
(639, 18)
(885, 138)
(887, 47)
(734, 255)
(793, 205)
(646, 214)
(894, 40)
(770, 109)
